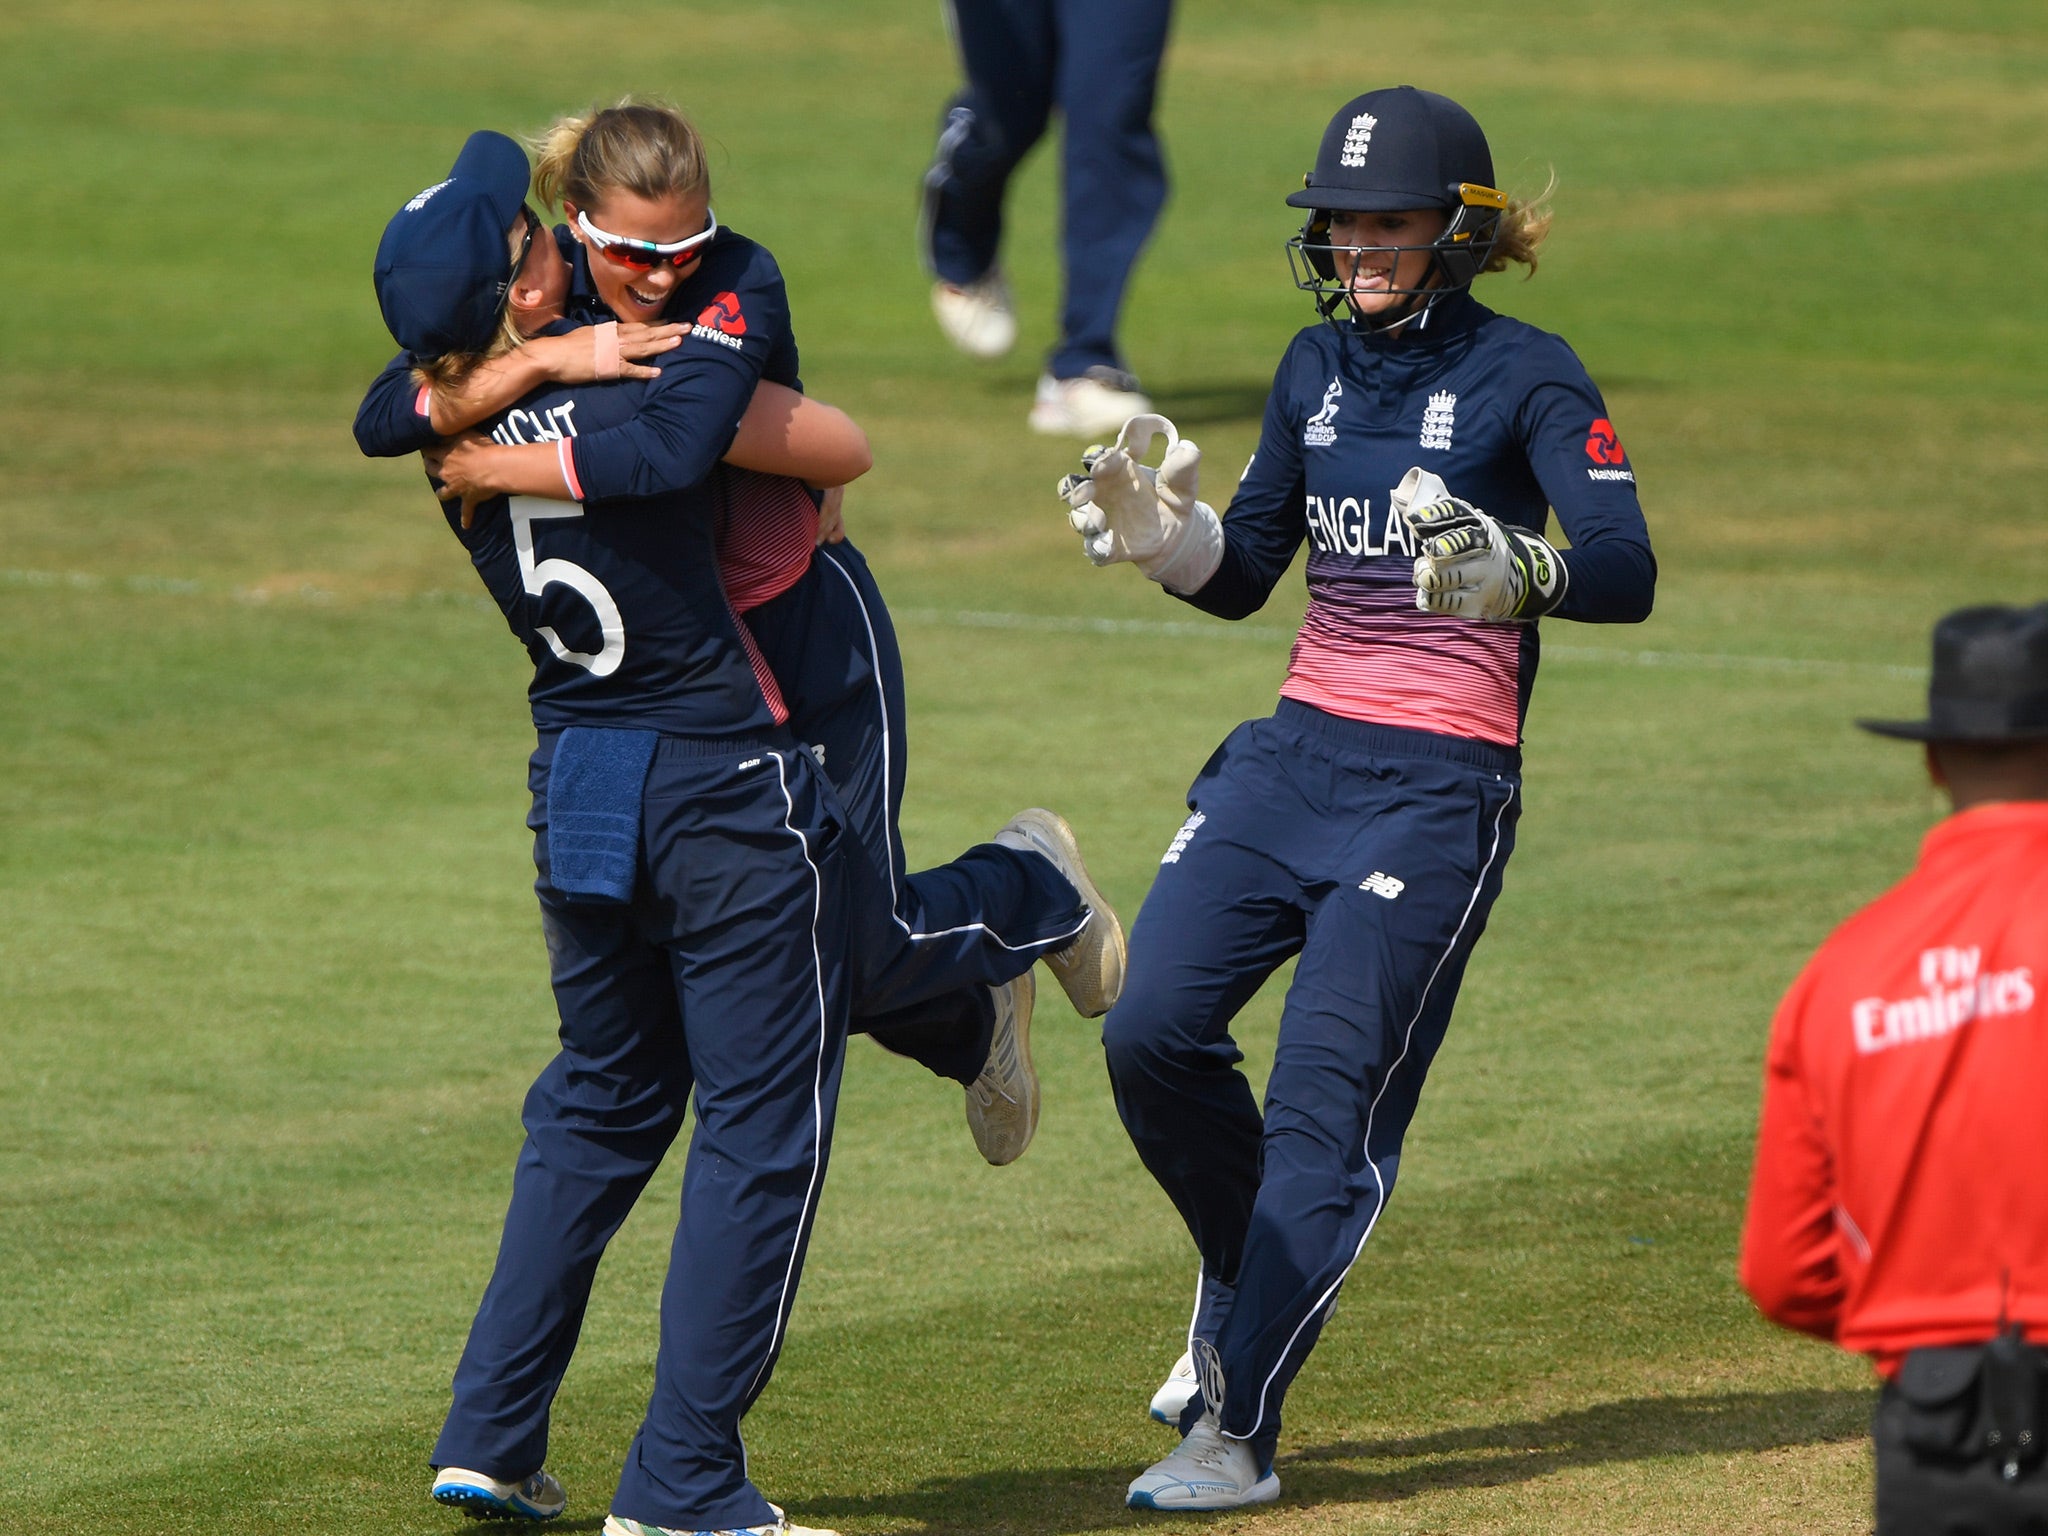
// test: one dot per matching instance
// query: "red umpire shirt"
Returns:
(1900, 1197)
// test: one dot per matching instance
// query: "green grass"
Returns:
(270, 985)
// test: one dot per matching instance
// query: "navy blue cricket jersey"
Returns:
(1507, 416)
(620, 605)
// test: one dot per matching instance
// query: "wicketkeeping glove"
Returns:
(1472, 565)
(1126, 510)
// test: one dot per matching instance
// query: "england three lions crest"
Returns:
(1439, 419)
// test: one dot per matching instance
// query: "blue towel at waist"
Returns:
(594, 789)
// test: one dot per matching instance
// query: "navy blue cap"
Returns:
(1393, 149)
(443, 265)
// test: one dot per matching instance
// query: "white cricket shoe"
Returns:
(978, 317)
(1097, 404)
(1091, 969)
(1002, 1103)
(1177, 1391)
(618, 1525)
(1209, 1471)
(538, 1497)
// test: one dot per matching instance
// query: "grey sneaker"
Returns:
(1091, 969)
(1209, 1471)
(1002, 1103)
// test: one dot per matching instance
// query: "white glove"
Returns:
(1125, 510)
(1471, 565)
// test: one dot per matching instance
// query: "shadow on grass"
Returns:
(1052, 1500)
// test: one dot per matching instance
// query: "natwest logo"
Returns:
(1602, 445)
(722, 314)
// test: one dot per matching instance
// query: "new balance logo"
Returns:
(1181, 838)
(1383, 885)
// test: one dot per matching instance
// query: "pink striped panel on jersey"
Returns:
(771, 690)
(770, 533)
(1365, 652)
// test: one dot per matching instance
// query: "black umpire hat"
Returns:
(1397, 148)
(443, 266)
(1990, 679)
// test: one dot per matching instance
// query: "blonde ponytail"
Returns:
(647, 148)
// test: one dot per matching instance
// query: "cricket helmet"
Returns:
(1387, 151)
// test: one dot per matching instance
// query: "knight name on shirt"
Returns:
(549, 425)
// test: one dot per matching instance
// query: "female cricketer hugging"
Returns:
(699, 896)
(1364, 826)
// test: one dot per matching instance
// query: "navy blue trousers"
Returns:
(1374, 854)
(926, 946)
(1098, 62)
(724, 978)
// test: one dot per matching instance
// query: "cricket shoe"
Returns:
(482, 1496)
(1097, 404)
(977, 317)
(1091, 969)
(1209, 1471)
(1177, 1391)
(618, 1525)
(1002, 1103)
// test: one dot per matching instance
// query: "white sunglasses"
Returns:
(644, 255)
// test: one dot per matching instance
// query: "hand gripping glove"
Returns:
(1471, 565)
(1125, 510)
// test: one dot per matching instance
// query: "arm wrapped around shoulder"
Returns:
(1125, 510)
(1474, 566)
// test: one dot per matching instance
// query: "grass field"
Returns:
(270, 985)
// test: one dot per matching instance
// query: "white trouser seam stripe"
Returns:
(787, 1298)
(1380, 1202)
(882, 711)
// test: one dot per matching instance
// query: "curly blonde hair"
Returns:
(1524, 224)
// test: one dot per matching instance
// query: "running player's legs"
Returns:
(918, 939)
(1008, 51)
(1368, 1007)
(744, 863)
(1114, 176)
(1222, 914)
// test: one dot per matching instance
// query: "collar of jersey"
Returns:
(1452, 316)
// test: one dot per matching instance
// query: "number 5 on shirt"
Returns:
(538, 576)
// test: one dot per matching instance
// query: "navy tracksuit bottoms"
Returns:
(1374, 854)
(1098, 62)
(725, 977)
(926, 946)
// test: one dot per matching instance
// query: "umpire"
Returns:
(1899, 1205)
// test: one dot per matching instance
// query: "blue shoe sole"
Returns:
(478, 1505)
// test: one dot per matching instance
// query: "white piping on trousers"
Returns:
(1407, 1039)
(783, 1303)
(1058, 941)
